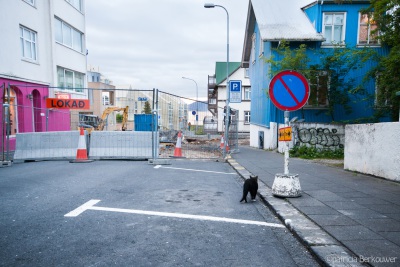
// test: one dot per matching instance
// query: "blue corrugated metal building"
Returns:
(318, 25)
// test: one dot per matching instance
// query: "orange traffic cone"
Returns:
(178, 147)
(81, 153)
(221, 146)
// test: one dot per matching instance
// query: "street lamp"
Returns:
(197, 100)
(227, 114)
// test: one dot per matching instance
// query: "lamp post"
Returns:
(227, 114)
(197, 100)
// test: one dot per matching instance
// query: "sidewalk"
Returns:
(344, 218)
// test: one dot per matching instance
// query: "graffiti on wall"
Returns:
(328, 138)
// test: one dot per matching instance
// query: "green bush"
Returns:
(306, 152)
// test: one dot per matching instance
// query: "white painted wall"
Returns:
(39, 18)
(241, 107)
(16, 13)
(270, 136)
(320, 135)
(373, 149)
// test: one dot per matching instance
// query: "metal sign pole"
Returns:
(287, 145)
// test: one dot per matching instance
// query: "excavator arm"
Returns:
(107, 112)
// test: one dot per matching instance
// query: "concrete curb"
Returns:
(325, 248)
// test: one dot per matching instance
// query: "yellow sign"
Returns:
(285, 134)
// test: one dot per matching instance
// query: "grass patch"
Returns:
(305, 152)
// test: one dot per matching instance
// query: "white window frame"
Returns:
(253, 49)
(30, 2)
(261, 47)
(246, 93)
(64, 85)
(343, 33)
(77, 4)
(68, 36)
(375, 41)
(28, 44)
(246, 72)
(247, 116)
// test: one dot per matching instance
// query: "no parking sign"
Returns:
(289, 90)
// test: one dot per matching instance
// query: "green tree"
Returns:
(147, 108)
(386, 14)
(337, 63)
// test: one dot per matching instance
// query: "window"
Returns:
(212, 101)
(253, 48)
(31, 2)
(261, 48)
(106, 100)
(319, 86)
(247, 117)
(246, 73)
(28, 43)
(68, 36)
(382, 97)
(334, 28)
(76, 3)
(170, 115)
(12, 98)
(367, 34)
(247, 93)
(70, 80)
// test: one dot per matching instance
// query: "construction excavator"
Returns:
(93, 122)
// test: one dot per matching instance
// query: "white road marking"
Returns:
(159, 166)
(90, 206)
(82, 208)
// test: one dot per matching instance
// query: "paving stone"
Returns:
(375, 252)
(352, 232)
(318, 210)
(325, 220)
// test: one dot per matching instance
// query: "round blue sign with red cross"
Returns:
(289, 90)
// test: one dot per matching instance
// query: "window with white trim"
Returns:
(70, 80)
(30, 2)
(319, 89)
(253, 48)
(367, 34)
(334, 25)
(76, 3)
(28, 40)
(247, 93)
(68, 36)
(247, 117)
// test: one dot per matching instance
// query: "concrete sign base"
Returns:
(286, 185)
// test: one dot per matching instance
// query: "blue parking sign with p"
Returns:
(235, 88)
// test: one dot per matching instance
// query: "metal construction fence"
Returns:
(119, 123)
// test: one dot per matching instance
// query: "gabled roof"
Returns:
(279, 20)
(220, 70)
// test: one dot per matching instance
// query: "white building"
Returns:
(43, 55)
(44, 42)
(217, 95)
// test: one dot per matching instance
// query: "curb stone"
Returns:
(327, 249)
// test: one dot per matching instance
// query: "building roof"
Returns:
(220, 70)
(284, 19)
(279, 20)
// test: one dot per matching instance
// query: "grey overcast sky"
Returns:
(153, 43)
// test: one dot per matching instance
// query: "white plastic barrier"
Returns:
(121, 145)
(46, 146)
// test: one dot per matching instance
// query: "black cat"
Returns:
(250, 185)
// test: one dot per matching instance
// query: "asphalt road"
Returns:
(131, 213)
